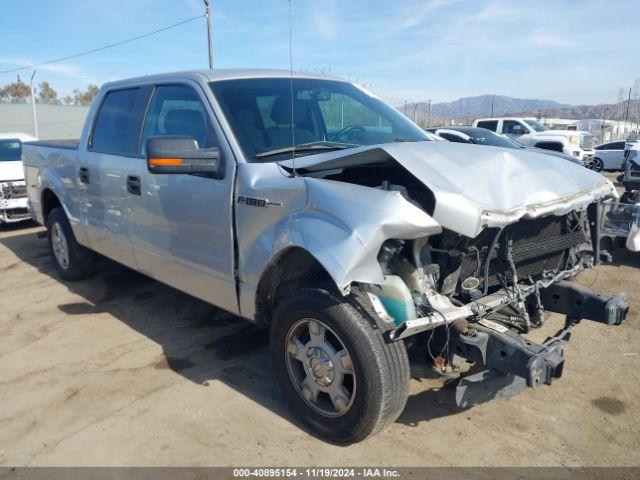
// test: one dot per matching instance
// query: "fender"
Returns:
(341, 225)
(49, 179)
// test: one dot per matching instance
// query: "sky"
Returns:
(577, 52)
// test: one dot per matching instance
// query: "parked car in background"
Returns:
(608, 156)
(482, 136)
(13, 190)
(532, 133)
(630, 177)
(304, 204)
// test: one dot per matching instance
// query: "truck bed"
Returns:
(52, 163)
(70, 144)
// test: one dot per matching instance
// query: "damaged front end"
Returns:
(474, 246)
(488, 290)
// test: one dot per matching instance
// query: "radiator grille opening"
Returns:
(539, 245)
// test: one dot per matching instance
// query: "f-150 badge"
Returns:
(257, 202)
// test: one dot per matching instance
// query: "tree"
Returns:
(16, 92)
(46, 94)
(85, 97)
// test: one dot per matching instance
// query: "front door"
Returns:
(183, 228)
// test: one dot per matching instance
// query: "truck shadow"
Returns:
(200, 342)
(624, 257)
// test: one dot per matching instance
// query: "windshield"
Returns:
(10, 150)
(537, 126)
(334, 113)
(495, 140)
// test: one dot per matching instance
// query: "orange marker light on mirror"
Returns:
(165, 161)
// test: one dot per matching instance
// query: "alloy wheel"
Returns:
(320, 367)
(60, 246)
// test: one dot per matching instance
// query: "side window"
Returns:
(513, 127)
(113, 130)
(489, 125)
(616, 146)
(10, 150)
(178, 110)
(453, 137)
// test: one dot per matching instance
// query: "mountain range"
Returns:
(469, 108)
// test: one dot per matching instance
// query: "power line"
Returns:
(95, 50)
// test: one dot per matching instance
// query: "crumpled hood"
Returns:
(11, 171)
(478, 186)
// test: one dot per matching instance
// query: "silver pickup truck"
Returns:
(308, 205)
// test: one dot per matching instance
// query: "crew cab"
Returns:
(309, 206)
(13, 191)
(532, 133)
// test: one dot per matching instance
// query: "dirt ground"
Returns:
(120, 370)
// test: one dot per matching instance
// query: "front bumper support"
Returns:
(509, 352)
(581, 303)
(514, 362)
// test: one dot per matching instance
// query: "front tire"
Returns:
(334, 365)
(72, 260)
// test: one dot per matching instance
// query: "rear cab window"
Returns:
(488, 124)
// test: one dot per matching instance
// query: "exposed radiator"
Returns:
(538, 245)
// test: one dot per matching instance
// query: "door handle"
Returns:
(133, 185)
(83, 174)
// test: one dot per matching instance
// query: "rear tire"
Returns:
(597, 164)
(319, 339)
(72, 260)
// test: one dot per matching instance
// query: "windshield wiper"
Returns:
(306, 147)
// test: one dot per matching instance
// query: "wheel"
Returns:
(334, 365)
(72, 260)
(630, 197)
(597, 164)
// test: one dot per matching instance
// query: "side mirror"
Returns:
(181, 154)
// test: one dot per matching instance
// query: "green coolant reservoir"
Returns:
(396, 298)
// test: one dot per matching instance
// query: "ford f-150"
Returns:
(308, 205)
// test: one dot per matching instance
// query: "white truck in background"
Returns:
(13, 190)
(532, 133)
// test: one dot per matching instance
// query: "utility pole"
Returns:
(33, 106)
(429, 121)
(207, 14)
(626, 115)
(493, 97)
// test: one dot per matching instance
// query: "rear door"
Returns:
(106, 169)
(183, 228)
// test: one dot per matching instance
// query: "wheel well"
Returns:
(49, 202)
(289, 271)
(555, 146)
